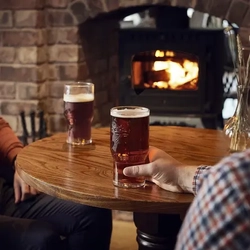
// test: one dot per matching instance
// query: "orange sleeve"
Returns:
(10, 145)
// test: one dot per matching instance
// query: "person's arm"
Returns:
(10, 145)
(219, 217)
(168, 173)
(186, 178)
(190, 177)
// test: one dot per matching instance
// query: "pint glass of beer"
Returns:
(79, 112)
(129, 142)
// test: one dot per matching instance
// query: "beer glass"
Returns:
(129, 142)
(79, 112)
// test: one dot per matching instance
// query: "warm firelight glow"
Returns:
(178, 73)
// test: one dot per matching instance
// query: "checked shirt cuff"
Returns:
(198, 177)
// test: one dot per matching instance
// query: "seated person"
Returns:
(219, 216)
(33, 220)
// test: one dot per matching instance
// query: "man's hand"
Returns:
(164, 171)
(22, 190)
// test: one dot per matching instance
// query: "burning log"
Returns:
(156, 76)
(190, 85)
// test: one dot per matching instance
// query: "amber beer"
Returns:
(79, 112)
(129, 142)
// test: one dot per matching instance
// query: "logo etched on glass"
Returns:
(119, 131)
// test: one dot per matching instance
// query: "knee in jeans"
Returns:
(41, 236)
(101, 215)
(97, 217)
(102, 219)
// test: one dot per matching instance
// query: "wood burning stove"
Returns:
(173, 72)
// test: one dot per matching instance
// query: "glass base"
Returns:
(124, 184)
(79, 142)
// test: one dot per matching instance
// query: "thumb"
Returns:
(140, 170)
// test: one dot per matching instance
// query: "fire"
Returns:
(185, 72)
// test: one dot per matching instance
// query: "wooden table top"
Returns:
(84, 174)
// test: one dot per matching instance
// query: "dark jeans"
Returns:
(43, 221)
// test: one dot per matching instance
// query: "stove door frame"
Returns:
(206, 101)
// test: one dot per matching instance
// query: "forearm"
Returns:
(190, 177)
(10, 146)
(185, 178)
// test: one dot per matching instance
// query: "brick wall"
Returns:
(46, 43)
(23, 58)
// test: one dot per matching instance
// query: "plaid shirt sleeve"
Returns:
(219, 217)
(200, 173)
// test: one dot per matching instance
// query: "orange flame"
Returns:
(179, 73)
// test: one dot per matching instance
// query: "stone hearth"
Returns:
(46, 43)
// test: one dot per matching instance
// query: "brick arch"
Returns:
(235, 11)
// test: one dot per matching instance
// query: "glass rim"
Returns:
(79, 84)
(142, 111)
(129, 107)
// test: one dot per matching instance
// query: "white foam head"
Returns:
(133, 112)
(83, 97)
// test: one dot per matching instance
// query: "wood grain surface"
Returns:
(84, 174)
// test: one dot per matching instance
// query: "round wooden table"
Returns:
(84, 175)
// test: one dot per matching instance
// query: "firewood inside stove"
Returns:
(156, 76)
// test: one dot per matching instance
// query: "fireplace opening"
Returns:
(165, 69)
(173, 70)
